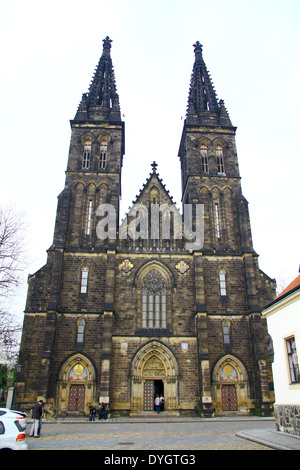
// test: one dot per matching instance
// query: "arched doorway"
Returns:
(76, 385)
(230, 386)
(154, 371)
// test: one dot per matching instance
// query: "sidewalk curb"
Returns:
(271, 439)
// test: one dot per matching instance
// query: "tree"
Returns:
(12, 264)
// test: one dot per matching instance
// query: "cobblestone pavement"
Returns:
(126, 435)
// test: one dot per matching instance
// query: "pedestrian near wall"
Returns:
(37, 413)
(102, 411)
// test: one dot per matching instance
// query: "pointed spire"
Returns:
(203, 104)
(102, 100)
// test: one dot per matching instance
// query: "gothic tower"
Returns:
(210, 176)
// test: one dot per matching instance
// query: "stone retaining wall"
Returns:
(288, 418)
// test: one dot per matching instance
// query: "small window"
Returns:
(103, 155)
(2, 428)
(222, 279)
(220, 160)
(226, 333)
(86, 154)
(90, 208)
(80, 331)
(84, 280)
(217, 220)
(204, 160)
(293, 360)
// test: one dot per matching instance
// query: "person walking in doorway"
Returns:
(162, 403)
(157, 404)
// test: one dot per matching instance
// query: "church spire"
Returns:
(203, 104)
(102, 100)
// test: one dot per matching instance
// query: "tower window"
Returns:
(220, 160)
(226, 333)
(84, 280)
(204, 160)
(154, 301)
(86, 154)
(90, 208)
(222, 279)
(217, 220)
(80, 331)
(103, 155)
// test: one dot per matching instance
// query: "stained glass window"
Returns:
(78, 372)
(228, 374)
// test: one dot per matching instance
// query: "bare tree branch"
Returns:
(12, 265)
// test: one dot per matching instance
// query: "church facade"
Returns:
(122, 312)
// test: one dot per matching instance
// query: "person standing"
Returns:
(162, 403)
(37, 413)
(102, 411)
(157, 404)
(41, 420)
(92, 413)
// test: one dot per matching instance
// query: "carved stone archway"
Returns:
(231, 374)
(154, 362)
(76, 373)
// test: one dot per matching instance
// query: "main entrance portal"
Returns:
(154, 371)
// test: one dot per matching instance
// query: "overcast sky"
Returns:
(49, 51)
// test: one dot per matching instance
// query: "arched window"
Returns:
(154, 301)
(86, 154)
(220, 160)
(204, 161)
(80, 331)
(222, 279)
(84, 280)
(226, 333)
(103, 155)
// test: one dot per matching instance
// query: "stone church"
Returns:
(122, 312)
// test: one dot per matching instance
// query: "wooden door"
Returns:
(149, 395)
(77, 398)
(229, 398)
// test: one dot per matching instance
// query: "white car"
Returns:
(12, 430)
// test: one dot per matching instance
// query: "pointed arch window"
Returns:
(220, 160)
(84, 280)
(222, 280)
(86, 154)
(103, 155)
(154, 301)
(204, 160)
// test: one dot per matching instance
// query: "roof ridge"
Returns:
(291, 286)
